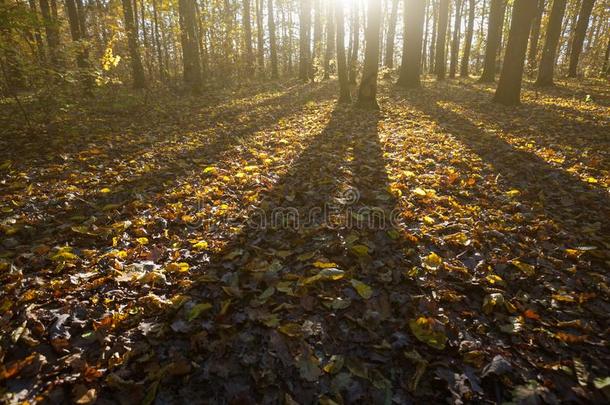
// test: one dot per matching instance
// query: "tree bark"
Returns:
(260, 36)
(434, 35)
(344, 92)
(579, 35)
(414, 14)
(305, 40)
(606, 65)
(190, 45)
(440, 64)
(51, 31)
(367, 93)
(353, 57)
(272, 40)
(511, 77)
(494, 36)
(535, 37)
(465, 66)
(330, 36)
(139, 81)
(455, 43)
(549, 52)
(390, 37)
(248, 39)
(317, 38)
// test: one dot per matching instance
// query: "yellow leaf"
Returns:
(360, 250)
(430, 331)
(432, 261)
(142, 241)
(291, 329)
(324, 265)
(105, 190)
(198, 310)
(528, 269)
(429, 220)
(419, 192)
(513, 193)
(177, 267)
(201, 245)
(362, 289)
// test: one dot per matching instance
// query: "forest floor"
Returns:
(268, 246)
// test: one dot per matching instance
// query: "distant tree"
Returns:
(305, 40)
(344, 92)
(260, 39)
(248, 39)
(414, 14)
(190, 46)
(355, 35)
(455, 43)
(465, 64)
(535, 36)
(606, 64)
(511, 76)
(139, 81)
(316, 52)
(367, 93)
(551, 40)
(51, 31)
(440, 64)
(330, 37)
(272, 40)
(433, 37)
(391, 35)
(579, 35)
(494, 37)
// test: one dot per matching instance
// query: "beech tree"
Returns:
(455, 43)
(367, 92)
(305, 40)
(344, 91)
(579, 35)
(535, 36)
(465, 64)
(389, 49)
(511, 76)
(413, 29)
(494, 37)
(139, 80)
(549, 52)
(440, 64)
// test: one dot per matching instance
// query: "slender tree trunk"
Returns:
(344, 92)
(606, 64)
(549, 52)
(432, 66)
(305, 40)
(272, 40)
(535, 37)
(465, 65)
(51, 32)
(455, 43)
(139, 81)
(424, 55)
(367, 93)
(494, 36)
(317, 39)
(330, 36)
(162, 74)
(353, 58)
(248, 39)
(440, 64)
(579, 35)
(414, 14)
(260, 38)
(511, 77)
(190, 45)
(391, 35)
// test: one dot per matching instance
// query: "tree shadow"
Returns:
(580, 212)
(169, 172)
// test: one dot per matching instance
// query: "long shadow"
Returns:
(580, 212)
(330, 188)
(173, 169)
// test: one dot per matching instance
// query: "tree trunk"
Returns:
(305, 40)
(579, 35)
(139, 81)
(455, 43)
(330, 37)
(260, 38)
(51, 31)
(389, 48)
(353, 57)
(367, 93)
(494, 36)
(535, 37)
(434, 36)
(549, 52)
(606, 66)
(162, 74)
(414, 14)
(344, 92)
(317, 38)
(248, 39)
(511, 77)
(190, 45)
(440, 64)
(272, 40)
(465, 66)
